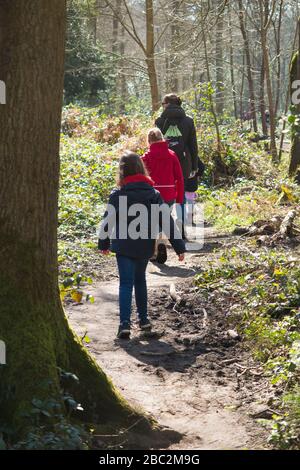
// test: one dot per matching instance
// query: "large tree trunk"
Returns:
(32, 321)
(150, 59)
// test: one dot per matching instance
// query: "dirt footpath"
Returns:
(191, 376)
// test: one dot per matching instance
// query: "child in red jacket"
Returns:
(165, 170)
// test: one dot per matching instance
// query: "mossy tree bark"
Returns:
(294, 168)
(32, 321)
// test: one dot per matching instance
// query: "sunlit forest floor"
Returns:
(223, 367)
(194, 374)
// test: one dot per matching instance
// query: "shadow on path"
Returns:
(158, 353)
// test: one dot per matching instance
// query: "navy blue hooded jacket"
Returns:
(137, 189)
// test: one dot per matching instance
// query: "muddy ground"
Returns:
(194, 376)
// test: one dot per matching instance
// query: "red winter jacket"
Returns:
(165, 170)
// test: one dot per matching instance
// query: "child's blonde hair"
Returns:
(155, 135)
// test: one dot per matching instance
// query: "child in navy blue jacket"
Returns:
(129, 229)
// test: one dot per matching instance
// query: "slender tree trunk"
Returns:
(32, 321)
(174, 47)
(242, 90)
(264, 19)
(98, 17)
(212, 106)
(232, 75)
(279, 58)
(128, 22)
(123, 85)
(93, 23)
(115, 31)
(118, 49)
(249, 65)
(262, 102)
(153, 83)
(167, 83)
(270, 98)
(195, 87)
(220, 105)
(150, 58)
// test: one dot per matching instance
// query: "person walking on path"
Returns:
(164, 168)
(179, 130)
(135, 194)
(191, 188)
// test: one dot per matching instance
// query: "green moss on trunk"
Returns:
(39, 341)
(32, 322)
(295, 135)
(32, 357)
(293, 68)
(101, 401)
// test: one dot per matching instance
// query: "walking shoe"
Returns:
(124, 331)
(145, 325)
(161, 254)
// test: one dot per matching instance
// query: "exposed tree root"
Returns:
(274, 231)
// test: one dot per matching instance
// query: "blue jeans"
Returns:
(132, 273)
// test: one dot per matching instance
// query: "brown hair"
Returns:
(171, 98)
(155, 135)
(130, 164)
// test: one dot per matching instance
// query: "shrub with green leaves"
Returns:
(87, 178)
(264, 306)
(50, 423)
